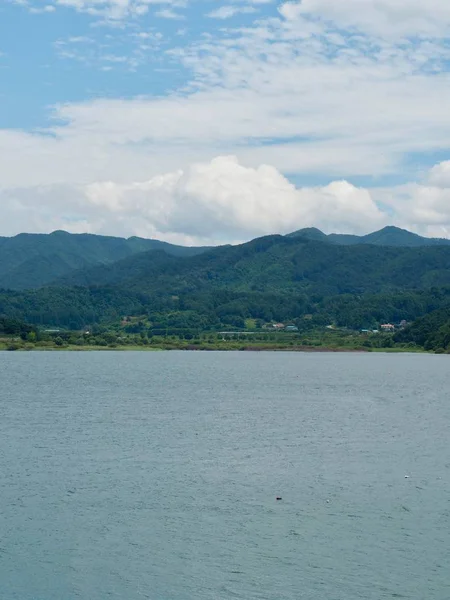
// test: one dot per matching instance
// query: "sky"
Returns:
(217, 121)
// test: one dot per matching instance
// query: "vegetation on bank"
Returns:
(79, 308)
(15, 336)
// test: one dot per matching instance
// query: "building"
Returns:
(276, 326)
(387, 328)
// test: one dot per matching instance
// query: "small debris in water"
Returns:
(279, 498)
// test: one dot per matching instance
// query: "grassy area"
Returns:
(203, 346)
(319, 340)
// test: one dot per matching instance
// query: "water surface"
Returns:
(154, 475)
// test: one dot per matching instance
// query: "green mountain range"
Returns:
(32, 260)
(93, 279)
(388, 236)
(275, 264)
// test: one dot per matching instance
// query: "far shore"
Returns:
(204, 348)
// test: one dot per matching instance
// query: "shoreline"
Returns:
(192, 348)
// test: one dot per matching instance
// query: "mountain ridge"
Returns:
(387, 236)
(275, 263)
(273, 278)
(30, 261)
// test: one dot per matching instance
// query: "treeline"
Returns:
(16, 327)
(78, 308)
(432, 331)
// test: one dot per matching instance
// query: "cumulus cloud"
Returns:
(331, 88)
(224, 201)
(218, 201)
(440, 174)
(423, 206)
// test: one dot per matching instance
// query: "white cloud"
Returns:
(420, 207)
(167, 13)
(117, 10)
(379, 17)
(48, 8)
(223, 201)
(339, 120)
(218, 201)
(440, 174)
(331, 88)
(228, 11)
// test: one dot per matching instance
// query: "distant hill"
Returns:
(286, 279)
(276, 264)
(33, 260)
(388, 236)
(363, 263)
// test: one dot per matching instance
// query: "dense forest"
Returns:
(76, 308)
(296, 279)
(275, 264)
(432, 331)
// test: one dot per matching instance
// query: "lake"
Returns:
(128, 475)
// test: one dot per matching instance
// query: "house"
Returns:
(291, 328)
(387, 328)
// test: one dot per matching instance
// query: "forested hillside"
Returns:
(33, 260)
(274, 264)
(288, 279)
(432, 331)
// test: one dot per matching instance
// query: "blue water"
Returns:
(155, 475)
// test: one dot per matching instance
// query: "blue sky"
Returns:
(70, 56)
(202, 122)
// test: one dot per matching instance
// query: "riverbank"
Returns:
(206, 348)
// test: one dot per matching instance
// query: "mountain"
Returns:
(388, 236)
(310, 233)
(286, 279)
(276, 264)
(34, 260)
